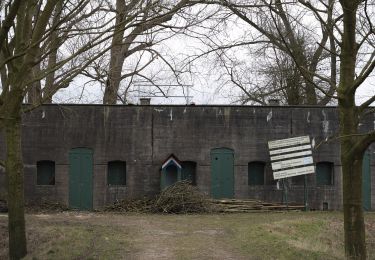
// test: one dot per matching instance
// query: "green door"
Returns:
(80, 178)
(222, 173)
(366, 182)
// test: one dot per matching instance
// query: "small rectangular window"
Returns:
(324, 173)
(189, 171)
(45, 173)
(256, 173)
(116, 173)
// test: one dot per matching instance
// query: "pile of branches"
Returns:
(182, 198)
(132, 205)
(179, 198)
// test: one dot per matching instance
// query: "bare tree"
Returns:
(78, 27)
(285, 79)
(31, 34)
(348, 28)
(353, 141)
(272, 73)
(277, 33)
(139, 25)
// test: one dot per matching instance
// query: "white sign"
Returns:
(294, 172)
(291, 149)
(291, 157)
(291, 163)
(289, 142)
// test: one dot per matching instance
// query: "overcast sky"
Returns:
(207, 84)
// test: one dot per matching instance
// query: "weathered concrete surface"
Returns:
(144, 136)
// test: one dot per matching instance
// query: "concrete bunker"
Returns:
(121, 166)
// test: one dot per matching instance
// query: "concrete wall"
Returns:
(144, 136)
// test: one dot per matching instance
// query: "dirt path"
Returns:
(148, 236)
(77, 235)
(157, 239)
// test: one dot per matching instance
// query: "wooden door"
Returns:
(80, 178)
(222, 173)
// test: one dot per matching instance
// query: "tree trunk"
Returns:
(50, 88)
(351, 159)
(117, 57)
(114, 77)
(355, 246)
(34, 93)
(14, 174)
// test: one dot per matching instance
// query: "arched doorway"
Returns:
(171, 175)
(170, 172)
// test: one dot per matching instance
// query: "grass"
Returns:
(290, 235)
(295, 237)
(75, 239)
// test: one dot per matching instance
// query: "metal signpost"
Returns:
(160, 93)
(291, 157)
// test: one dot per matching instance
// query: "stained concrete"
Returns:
(144, 136)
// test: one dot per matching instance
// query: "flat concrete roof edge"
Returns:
(211, 105)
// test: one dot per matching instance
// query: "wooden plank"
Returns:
(291, 163)
(289, 142)
(291, 149)
(290, 155)
(246, 205)
(294, 172)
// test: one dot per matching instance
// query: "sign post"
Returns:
(292, 157)
(285, 191)
(305, 197)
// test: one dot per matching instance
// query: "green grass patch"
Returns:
(81, 241)
(289, 235)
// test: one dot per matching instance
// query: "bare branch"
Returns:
(8, 21)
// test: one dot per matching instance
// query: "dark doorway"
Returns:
(171, 175)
